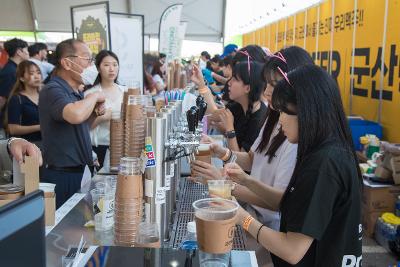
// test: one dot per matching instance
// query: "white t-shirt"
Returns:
(100, 136)
(277, 173)
(158, 79)
(202, 64)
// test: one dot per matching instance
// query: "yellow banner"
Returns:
(367, 58)
(328, 37)
(281, 34)
(311, 29)
(274, 31)
(290, 26)
(299, 31)
(268, 36)
(341, 50)
(391, 101)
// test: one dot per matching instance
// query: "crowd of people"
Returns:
(296, 173)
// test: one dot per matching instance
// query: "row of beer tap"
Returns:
(174, 136)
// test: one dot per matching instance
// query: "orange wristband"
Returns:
(203, 90)
(246, 222)
(227, 155)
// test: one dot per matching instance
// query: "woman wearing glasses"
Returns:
(320, 209)
(107, 64)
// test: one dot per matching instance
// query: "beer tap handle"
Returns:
(202, 110)
(196, 111)
(191, 116)
(199, 99)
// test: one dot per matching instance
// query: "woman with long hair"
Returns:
(158, 76)
(272, 157)
(321, 207)
(243, 117)
(22, 118)
(107, 64)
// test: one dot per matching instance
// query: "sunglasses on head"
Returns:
(283, 59)
(248, 59)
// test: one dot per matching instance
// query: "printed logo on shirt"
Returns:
(351, 261)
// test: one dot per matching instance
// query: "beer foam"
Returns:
(204, 147)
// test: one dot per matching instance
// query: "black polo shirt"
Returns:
(64, 144)
(324, 202)
(247, 129)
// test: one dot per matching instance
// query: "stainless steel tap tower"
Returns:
(172, 138)
(154, 182)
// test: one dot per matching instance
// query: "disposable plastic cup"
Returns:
(148, 233)
(103, 209)
(220, 188)
(215, 227)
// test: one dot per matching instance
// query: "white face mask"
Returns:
(88, 75)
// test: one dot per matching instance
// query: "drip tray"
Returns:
(189, 193)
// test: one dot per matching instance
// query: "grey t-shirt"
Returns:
(64, 144)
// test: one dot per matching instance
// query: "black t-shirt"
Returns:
(7, 80)
(247, 129)
(22, 111)
(324, 202)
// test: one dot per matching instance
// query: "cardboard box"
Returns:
(50, 209)
(395, 165)
(27, 174)
(378, 197)
(5, 201)
(369, 221)
(49, 206)
(383, 173)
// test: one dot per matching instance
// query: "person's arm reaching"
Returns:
(99, 119)
(244, 194)
(244, 159)
(19, 148)
(198, 79)
(226, 125)
(219, 78)
(290, 246)
(16, 129)
(269, 195)
(80, 111)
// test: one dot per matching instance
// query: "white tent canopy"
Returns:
(205, 17)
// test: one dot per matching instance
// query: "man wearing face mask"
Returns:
(65, 117)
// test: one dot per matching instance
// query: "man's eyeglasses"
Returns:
(88, 59)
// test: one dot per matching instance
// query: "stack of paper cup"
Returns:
(128, 202)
